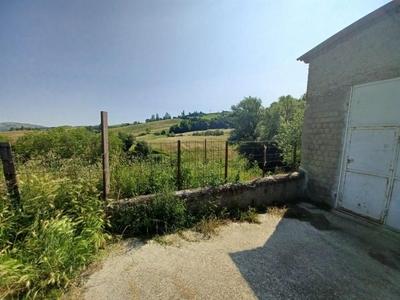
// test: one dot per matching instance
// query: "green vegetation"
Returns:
(222, 121)
(165, 214)
(60, 222)
(137, 129)
(280, 122)
(209, 133)
(57, 228)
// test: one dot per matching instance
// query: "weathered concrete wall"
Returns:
(256, 193)
(371, 55)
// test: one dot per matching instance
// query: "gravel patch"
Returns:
(306, 253)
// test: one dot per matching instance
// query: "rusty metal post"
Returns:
(294, 157)
(105, 155)
(9, 173)
(264, 160)
(226, 161)
(179, 175)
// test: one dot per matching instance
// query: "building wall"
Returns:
(371, 55)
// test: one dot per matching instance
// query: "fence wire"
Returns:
(199, 164)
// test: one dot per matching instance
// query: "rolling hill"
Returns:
(5, 126)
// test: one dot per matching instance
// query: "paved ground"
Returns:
(308, 254)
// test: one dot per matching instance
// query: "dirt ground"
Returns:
(305, 254)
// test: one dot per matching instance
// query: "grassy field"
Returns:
(152, 126)
(12, 135)
(210, 116)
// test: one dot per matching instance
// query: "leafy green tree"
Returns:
(278, 112)
(290, 131)
(245, 116)
(127, 140)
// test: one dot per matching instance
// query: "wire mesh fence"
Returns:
(174, 165)
(192, 164)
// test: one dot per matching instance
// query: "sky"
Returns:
(62, 62)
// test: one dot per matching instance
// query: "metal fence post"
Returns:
(264, 160)
(179, 178)
(226, 161)
(105, 155)
(294, 157)
(9, 173)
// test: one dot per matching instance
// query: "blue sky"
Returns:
(62, 62)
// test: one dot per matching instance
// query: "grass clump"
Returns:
(56, 230)
(162, 214)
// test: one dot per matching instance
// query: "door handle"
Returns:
(350, 160)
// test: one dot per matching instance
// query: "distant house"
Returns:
(351, 133)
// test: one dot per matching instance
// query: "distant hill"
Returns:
(5, 126)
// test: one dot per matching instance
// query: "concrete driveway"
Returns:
(305, 254)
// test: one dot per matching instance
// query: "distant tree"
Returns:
(246, 116)
(127, 140)
(167, 116)
(157, 117)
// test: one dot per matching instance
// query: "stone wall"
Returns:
(371, 55)
(261, 192)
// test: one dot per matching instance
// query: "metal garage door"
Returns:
(370, 177)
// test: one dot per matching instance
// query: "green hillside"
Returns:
(150, 127)
(5, 126)
(156, 126)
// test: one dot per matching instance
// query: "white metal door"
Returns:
(370, 177)
(366, 184)
(393, 215)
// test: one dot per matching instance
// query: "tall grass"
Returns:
(58, 228)
(142, 176)
(61, 223)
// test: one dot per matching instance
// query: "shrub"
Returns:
(142, 149)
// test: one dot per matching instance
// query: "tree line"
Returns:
(188, 124)
(281, 123)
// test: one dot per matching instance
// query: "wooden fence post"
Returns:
(294, 157)
(9, 173)
(105, 155)
(179, 178)
(226, 162)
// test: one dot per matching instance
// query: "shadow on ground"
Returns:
(318, 255)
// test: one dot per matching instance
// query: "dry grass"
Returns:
(277, 211)
(209, 227)
(152, 126)
(13, 135)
